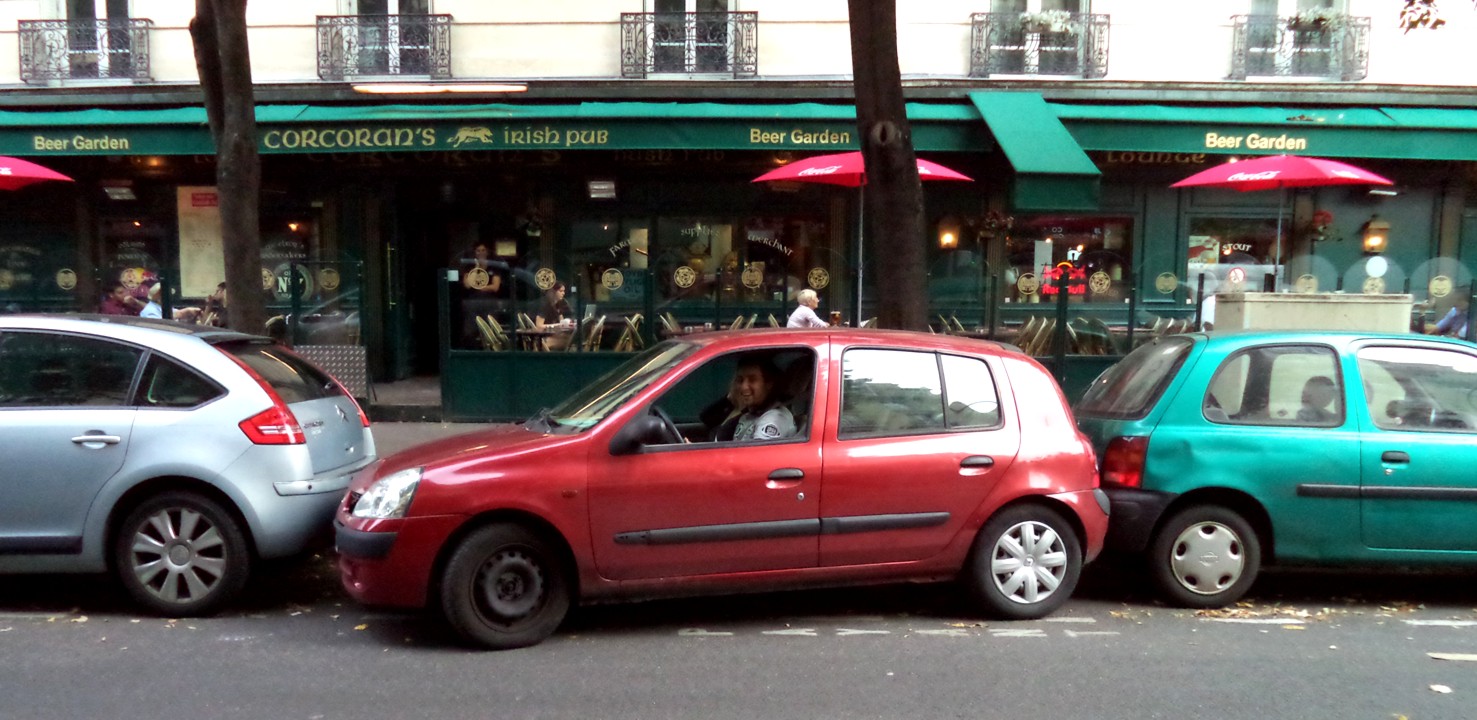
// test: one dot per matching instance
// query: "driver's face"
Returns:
(750, 387)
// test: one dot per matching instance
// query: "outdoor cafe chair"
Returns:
(592, 338)
(958, 326)
(752, 319)
(773, 322)
(738, 323)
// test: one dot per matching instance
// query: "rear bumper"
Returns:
(1092, 511)
(1135, 513)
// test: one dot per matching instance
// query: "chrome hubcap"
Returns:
(1029, 562)
(1207, 558)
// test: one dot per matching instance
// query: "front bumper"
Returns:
(389, 562)
(1135, 513)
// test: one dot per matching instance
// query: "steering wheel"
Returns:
(669, 428)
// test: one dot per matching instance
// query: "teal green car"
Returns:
(1224, 452)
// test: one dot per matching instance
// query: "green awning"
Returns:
(1051, 170)
(297, 129)
(1368, 132)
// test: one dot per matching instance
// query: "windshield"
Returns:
(592, 404)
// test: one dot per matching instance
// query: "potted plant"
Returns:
(1317, 20)
(1048, 21)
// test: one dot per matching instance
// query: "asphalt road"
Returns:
(1305, 645)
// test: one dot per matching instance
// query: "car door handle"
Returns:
(787, 474)
(1395, 456)
(977, 461)
(104, 439)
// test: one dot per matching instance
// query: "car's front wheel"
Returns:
(1025, 563)
(505, 587)
(1205, 556)
(181, 554)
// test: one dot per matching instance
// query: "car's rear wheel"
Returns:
(1025, 563)
(181, 554)
(505, 587)
(1205, 556)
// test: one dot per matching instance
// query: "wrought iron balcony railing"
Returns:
(690, 43)
(1334, 48)
(1071, 44)
(54, 50)
(351, 46)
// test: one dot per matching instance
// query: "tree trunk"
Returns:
(893, 194)
(223, 61)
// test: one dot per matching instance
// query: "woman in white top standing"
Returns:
(804, 316)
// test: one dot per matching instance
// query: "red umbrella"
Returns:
(1276, 172)
(849, 170)
(16, 173)
(1281, 171)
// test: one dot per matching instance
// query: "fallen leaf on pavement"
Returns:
(1443, 689)
(365, 626)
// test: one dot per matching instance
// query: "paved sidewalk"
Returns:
(392, 437)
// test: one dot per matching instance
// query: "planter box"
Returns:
(1312, 311)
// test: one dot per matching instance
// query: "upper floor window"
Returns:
(1300, 38)
(1039, 37)
(84, 40)
(689, 37)
(384, 37)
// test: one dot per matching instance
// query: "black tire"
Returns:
(1205, 556)
(505, 587)
(1025, 563)
(181, 554)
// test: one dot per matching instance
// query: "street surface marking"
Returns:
(801, 632)
(1081, 633)
(1257, 621)
(1071, 620)
(1463, 657)
(948, 632)
(1027, 632)
(699, 632)
(31, 616)
(1441, 623)
(843, 632)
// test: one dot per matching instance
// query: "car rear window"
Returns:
(1130, 388)
(293, 378)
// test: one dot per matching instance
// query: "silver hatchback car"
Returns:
(174, 455)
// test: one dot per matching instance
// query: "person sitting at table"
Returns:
(804, 315)
(555, 307)
(119, 301)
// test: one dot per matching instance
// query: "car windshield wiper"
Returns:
(543, 419)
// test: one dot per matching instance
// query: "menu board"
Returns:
(202, 259)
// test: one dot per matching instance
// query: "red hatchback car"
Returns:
(738, 462)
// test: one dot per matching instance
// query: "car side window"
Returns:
(1421, 389)
(701, 405)
(970, 390)
(54, 370)
(890, 392)
(167, 384)
(1297, 385)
